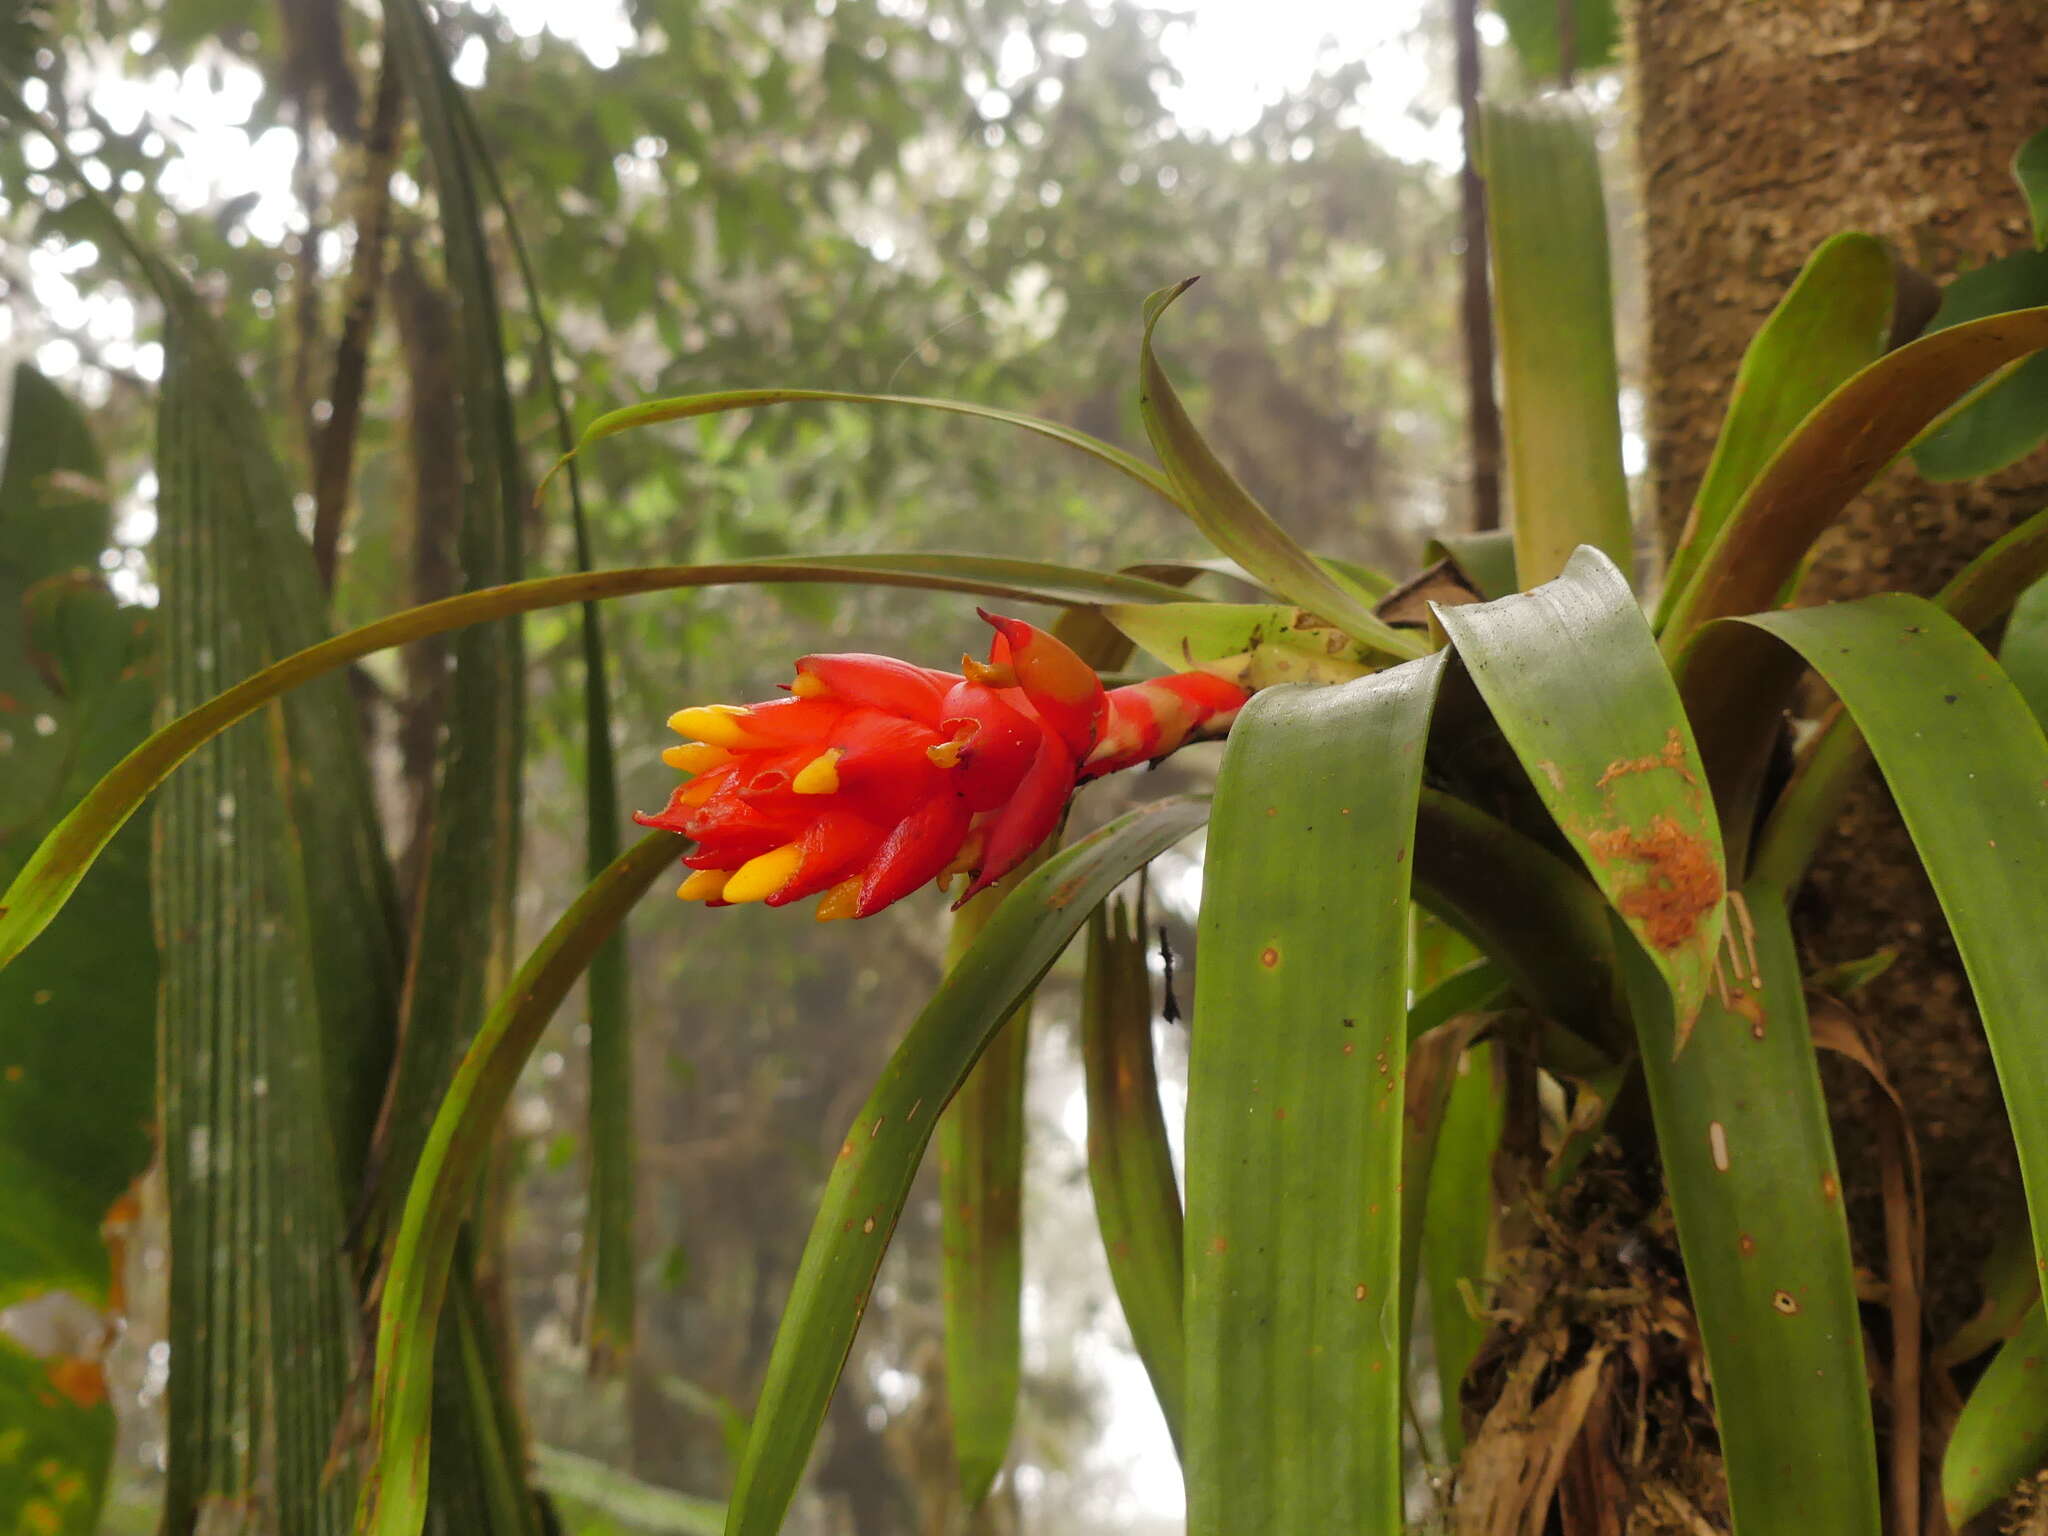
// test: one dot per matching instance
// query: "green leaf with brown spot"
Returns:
(1574, 680)
(1293, 1232)
(1253, 644)
(2002, 1433)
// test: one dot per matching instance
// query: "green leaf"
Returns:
(52, 872)
(2024, 650)
(981, 1189)
(1457, 1228)
(2030, 170)
(56, 1442)
(1485, 559)
(1546, 226)
(1232, 520)
(1742, 1129)
(1130, 1164)
(1967, 763)
(652, 412)
(1253, 644)
(878, 1159)
(1574, 680)
(423, 1252)
(1833, 321)
(2002, 1433)
(1293, 1244)
(1835, 452)
(2008, 418)
(1535, 35)
(638, 1506)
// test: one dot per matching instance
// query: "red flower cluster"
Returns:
(876, 775)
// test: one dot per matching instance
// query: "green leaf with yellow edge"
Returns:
(53, 871)
(1833, 454)
(1130, 1162)
(1233, 521)
(1546, 228)
(394, 1499)
(1967, 763)
(680, 407)
(1574, 680)
(1742, 1130)
(1832, 321)
(1255, 645)
(1293, 1232)
(877, 1161)
(2002, 1433)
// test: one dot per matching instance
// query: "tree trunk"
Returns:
(1764, 126)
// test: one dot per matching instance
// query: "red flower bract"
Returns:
(876, 776)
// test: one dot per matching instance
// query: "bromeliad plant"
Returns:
(1495, 909)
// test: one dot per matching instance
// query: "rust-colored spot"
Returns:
(80, 1380)
(1747, 1244)
(1829, 1189)
(14, 1073)
(868, 1225)
(1269, 957)
(1553, 773)
(1359, 1293)
(1672, 757)
(1349, 1047)
(1219, 1244)
(1064, 893)
(1378, 1366)
(2031, 1363)
(1785, 1302)
(846, 1147)
(39, 1517)
(1279, 1114)
(1272, 810)
(1680, 884)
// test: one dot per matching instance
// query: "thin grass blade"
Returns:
(878, 1159)
(1293, 1233)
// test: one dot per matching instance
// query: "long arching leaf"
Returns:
(443, 1186)
(878, 1159)
(1293, 1233)
(46, 881)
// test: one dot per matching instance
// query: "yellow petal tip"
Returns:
(716, 725)
(820, 776)
(702, 885)
(807, 686)
(759, 878)
(840, 901)
(695, 757)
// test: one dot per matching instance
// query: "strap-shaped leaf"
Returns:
(1254, 644)
(1831, 322)
(653, 411)
(1130, 1164)
(1967, 763)
(1293, 1238)
(1574, 680)
(1233, 521)
(879, 1158)
(1742, 1130)
(1546, 228)
(423, 1253)
(1836, 451)
(53, 871)
(2002, 1433)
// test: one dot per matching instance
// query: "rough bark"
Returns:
(1764, 126)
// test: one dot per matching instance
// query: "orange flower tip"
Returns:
(696, 757)
(716, 725)
(841, 901)
(989, 677)
(820, 776)
(809, 686)
(761, 877)
(703, 885)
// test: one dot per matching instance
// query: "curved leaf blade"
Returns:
(53, 871)
(2002, 1433)
(679, 407)
(1831, 323)
(394, 1498)
(1836, 451)
(2003, 421)
(1968, 765)
(1573, 678)
(1233, 521)
(1293, 1233)
(878, 1159)
(1253, 644)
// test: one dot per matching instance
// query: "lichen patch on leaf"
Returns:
(1681, 882)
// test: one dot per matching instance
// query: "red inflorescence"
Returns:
(876, 776)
